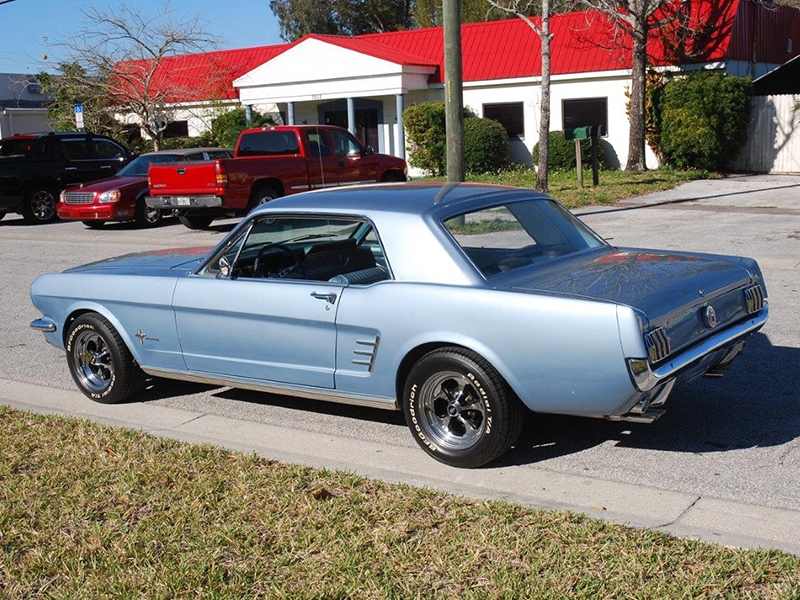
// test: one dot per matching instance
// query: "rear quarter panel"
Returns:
(559, 355)
(129, 302)
(244, 172)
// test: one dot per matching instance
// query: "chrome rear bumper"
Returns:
(646, 378)
(164, 202)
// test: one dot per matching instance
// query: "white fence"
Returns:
(773, 140)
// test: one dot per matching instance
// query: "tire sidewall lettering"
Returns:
(69, 347)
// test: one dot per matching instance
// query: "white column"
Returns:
(351, 115)
(290, 112)
(401, 134)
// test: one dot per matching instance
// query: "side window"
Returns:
(315, 248)
(106, 150)
(318, 144)
(344, 143)
(218, 154)
(75, 149)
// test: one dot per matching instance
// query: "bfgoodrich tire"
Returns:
(459, 409)
(196, 222)
(100, 362)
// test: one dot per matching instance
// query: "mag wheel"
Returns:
(100, 362)
(39, 205)
(460, 410)
(146, 216)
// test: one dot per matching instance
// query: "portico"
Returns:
(350, 82)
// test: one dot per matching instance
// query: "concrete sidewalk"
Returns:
(689, 515)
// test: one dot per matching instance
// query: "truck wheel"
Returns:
(100, 362)
(145, 216)
(196, 222)
(261, 196)
(94, 224)
(39, 205)
(393, 176)
(460, 410)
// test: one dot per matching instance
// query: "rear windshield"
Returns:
(269, 143)
(519, 234)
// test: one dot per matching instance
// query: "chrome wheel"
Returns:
(43, 205)
(453, 413)
(93, 362)
(151, 215)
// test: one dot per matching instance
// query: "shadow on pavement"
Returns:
(756, 404)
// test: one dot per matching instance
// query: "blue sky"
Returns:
(26, 25)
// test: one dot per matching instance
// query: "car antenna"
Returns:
(319, 154)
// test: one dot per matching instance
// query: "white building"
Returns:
(22, 105)
(364, 82)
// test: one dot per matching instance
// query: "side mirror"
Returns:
(224, 267)
(368, 150)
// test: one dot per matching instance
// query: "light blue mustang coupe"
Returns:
(464, 306)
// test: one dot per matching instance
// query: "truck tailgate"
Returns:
(183, 179)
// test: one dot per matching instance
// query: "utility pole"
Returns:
(454, 97)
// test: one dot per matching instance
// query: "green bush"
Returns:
(485, 146)
(704, 120)
(424, 125)
(226, 128)
(562, 153)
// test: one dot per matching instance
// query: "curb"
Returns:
(677, 513)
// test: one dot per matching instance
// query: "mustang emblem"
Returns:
(143, 337)
(710, 316)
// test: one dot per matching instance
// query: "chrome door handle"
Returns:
(70, 168)
(330, 298)
(105, 166)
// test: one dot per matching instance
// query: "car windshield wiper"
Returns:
(310, 236)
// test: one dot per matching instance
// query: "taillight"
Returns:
(221, 173)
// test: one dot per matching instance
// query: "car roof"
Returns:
(185, 151)
(406, 198)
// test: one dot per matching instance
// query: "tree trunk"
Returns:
(636, 140)
(544, 119)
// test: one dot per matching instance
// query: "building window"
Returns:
(586, 112)
(510, 114)
(176, 129)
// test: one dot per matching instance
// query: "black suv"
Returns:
(35, 168)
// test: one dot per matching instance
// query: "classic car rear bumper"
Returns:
(90, 212)
(183, 202)
(646, 378)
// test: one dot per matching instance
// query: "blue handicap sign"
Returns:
(79, 108)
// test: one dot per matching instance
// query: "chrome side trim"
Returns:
(647, 378)
(275, 388)
(43, 324)
(371, 354)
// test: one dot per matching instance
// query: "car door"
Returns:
(352, 162)
(108, 157)
(75, 163)
(322, 167)
(239, 318)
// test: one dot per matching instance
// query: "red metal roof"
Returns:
(583, 42)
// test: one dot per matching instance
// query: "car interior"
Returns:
(352, 255)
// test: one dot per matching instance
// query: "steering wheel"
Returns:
(280, 273)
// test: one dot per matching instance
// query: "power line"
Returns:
(6, 1)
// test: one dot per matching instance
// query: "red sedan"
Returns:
(121, 198)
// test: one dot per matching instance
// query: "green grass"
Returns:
(93, 512)
(614, 185)
(487, 226)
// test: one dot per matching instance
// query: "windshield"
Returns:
(138, 167)
(518, 234)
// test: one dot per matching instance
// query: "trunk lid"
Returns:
(668, 289)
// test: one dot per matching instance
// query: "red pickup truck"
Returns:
(268, 163)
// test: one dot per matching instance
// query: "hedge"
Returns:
(704, 120)
(485, 146)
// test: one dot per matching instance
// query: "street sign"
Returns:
(79, 116)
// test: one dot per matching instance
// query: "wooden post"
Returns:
(579, 161)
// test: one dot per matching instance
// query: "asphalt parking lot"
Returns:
(736, 438)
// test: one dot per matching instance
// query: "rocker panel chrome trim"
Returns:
(285, 389)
